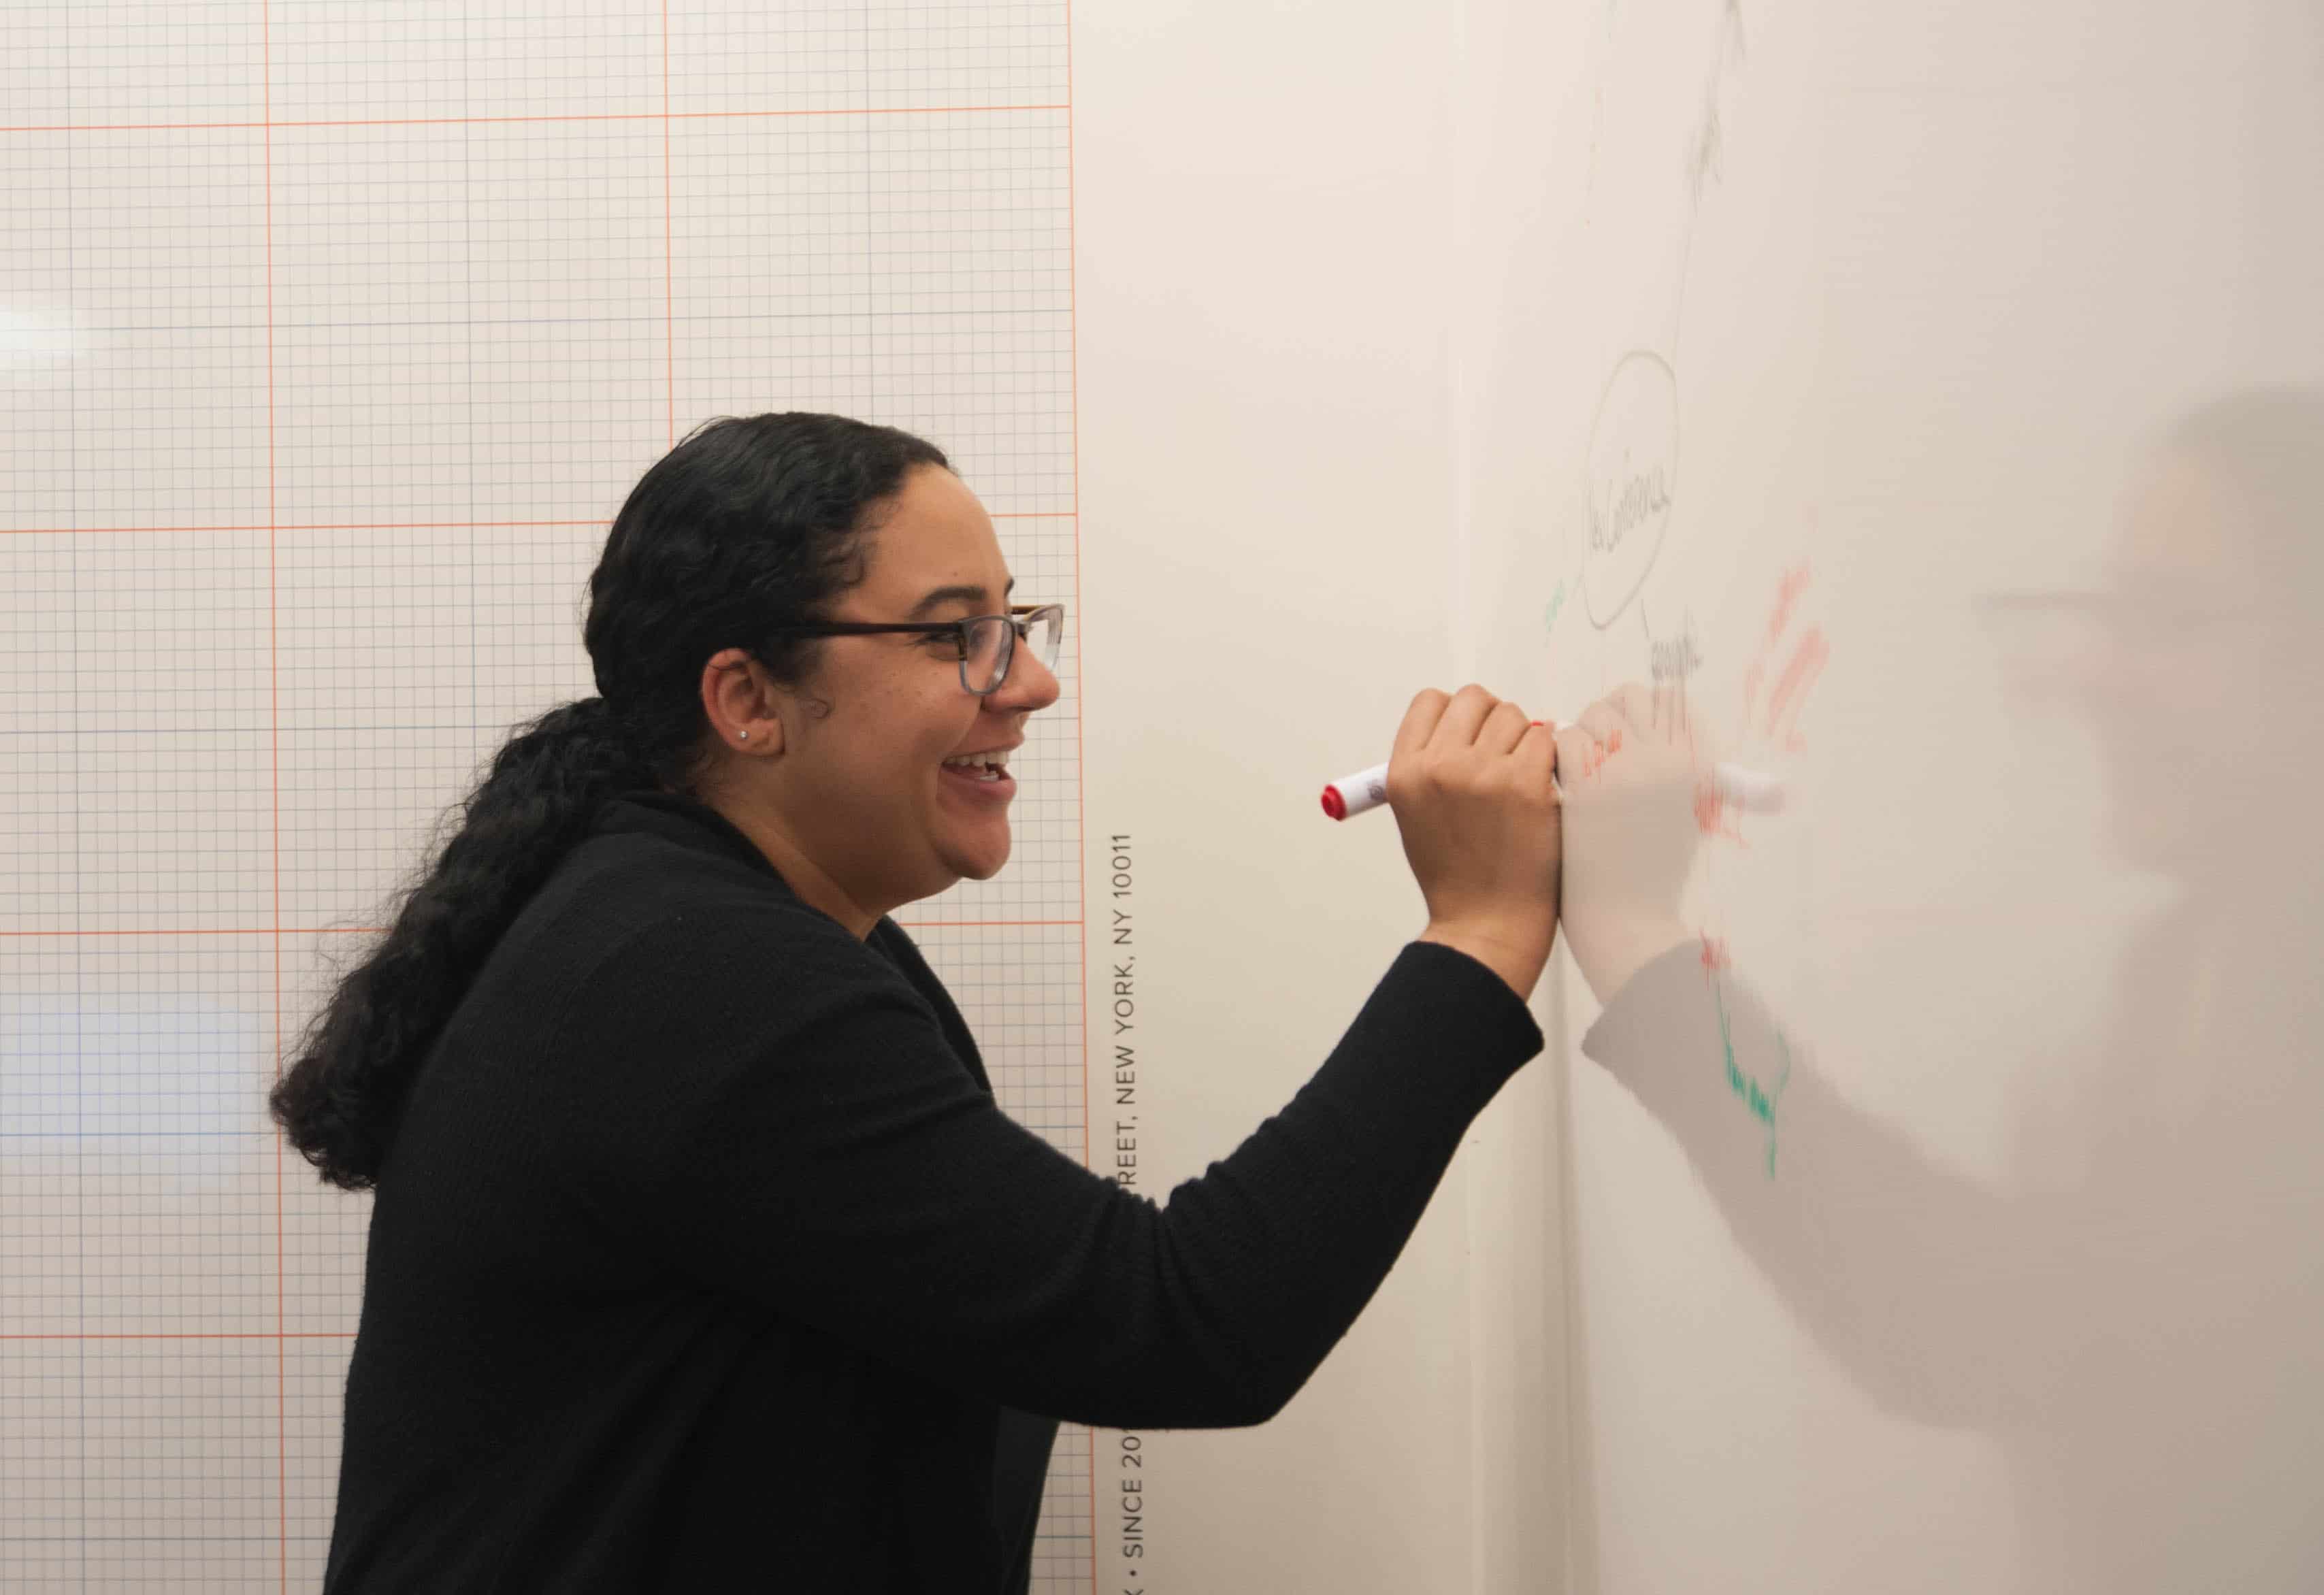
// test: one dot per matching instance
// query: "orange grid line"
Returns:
(668, 249)
(268, 121)
(274, 719)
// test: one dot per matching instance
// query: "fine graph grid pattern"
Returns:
(333, 335)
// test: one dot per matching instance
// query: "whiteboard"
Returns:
(1929, 398)
(1964, 344)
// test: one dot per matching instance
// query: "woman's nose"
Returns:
(1029, 686)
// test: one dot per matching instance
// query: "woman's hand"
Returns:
(1634, 770)
(1469, 783)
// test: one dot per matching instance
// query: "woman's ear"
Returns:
(740, 703)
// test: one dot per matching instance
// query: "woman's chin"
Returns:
(980, 860)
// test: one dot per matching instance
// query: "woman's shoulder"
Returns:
(633, 929)
(663, 903)
(613, 886)
(670, 978)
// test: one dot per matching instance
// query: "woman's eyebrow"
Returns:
(943, 596)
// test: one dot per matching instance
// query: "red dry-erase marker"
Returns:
(1367, 789)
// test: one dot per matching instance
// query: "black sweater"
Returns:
(703, 1257)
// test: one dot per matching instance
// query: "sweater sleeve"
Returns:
(841, 1167)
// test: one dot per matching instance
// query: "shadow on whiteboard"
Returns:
(2135, 1314)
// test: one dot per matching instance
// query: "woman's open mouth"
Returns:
(985, 776)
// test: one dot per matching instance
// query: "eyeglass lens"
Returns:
(993, 640)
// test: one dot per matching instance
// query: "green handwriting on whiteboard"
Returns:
(1556, 603)
(1758, 1099)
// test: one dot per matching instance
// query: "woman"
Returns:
(702, 1258)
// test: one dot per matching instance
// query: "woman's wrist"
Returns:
(1517, 953)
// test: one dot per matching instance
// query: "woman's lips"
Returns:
(998, 791)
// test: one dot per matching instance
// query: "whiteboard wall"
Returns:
(1295, 348)
(1930, 395)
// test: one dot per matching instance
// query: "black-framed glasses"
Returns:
(988, 642)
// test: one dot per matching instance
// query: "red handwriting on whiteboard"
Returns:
(1776, 717)
(1714, 954)
(1711, 812)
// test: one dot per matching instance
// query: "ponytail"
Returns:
(339, 1099)
(746, 527)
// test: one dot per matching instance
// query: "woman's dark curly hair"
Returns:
(747, 525)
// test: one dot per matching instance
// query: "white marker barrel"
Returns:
(1354, 794)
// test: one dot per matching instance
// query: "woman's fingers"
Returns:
(1462, 719)
(1438, 732)
(1503, 729)
(1537, 754)
(1420, 719)
(1469, 718)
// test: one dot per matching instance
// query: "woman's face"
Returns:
(861, 790)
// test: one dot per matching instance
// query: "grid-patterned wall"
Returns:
(332, 335)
